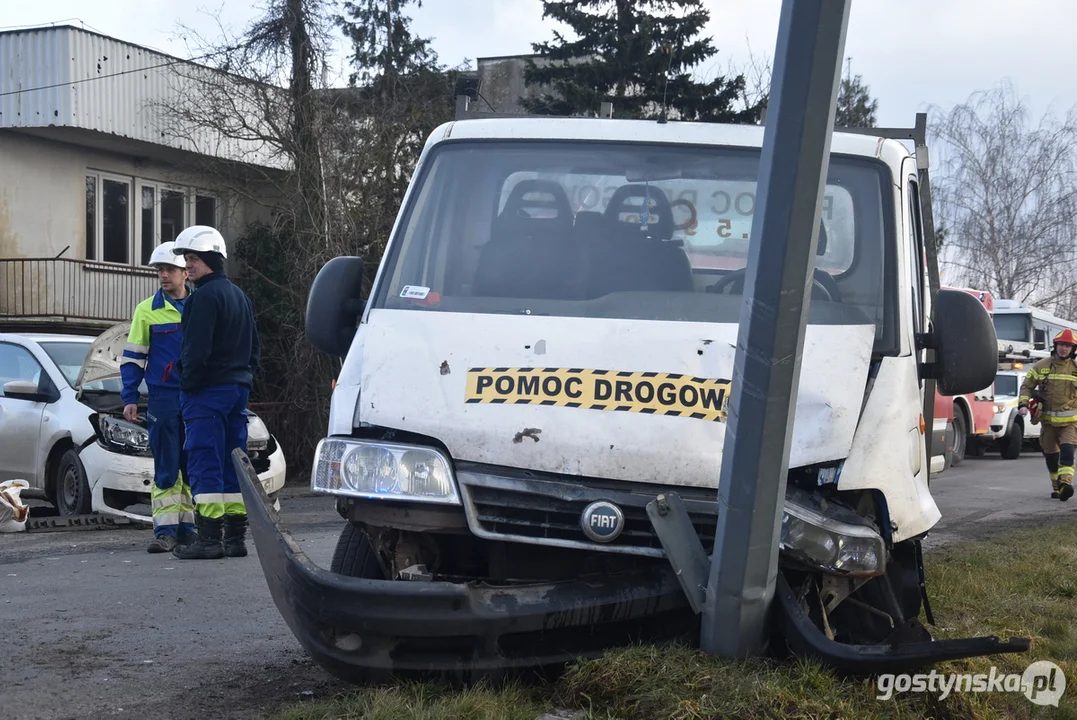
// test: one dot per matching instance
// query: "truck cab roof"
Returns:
(892, 152)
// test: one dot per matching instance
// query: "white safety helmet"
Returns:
(163, 254)
(200, 238)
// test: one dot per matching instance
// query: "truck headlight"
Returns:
(257, 433)
(830, 544)
(383, 470)
(123, 436)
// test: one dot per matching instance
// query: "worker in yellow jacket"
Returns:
(152, 354)
(1055, 378)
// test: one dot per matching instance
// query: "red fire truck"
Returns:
(961, 419)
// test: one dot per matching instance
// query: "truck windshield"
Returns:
(559, 228)
(1012, 326)
(1006, 385)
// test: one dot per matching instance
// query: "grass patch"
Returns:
(1023, 583)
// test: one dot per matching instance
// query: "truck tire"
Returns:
(354, 555)
(961, 436)
(1010, 445)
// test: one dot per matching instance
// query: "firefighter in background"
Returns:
(151, 354)
(219, 358)
(1055, 378)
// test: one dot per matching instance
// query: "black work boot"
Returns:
(235, 529)
(207, 544)
(185, 536)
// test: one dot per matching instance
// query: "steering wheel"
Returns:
(821, 280)
(663, 229)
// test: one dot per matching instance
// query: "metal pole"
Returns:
(781, 260)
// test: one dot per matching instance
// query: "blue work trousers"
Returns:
(216, 424)
(170, 496)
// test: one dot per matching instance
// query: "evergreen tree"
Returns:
(856, 107)
(637, 54)
(384, 49)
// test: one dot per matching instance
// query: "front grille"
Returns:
(546, 509)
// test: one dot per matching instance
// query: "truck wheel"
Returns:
(1010, 447)
(354, 555)
(960, 438)
(70, 490)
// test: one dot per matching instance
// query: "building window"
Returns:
(149, 207)
(117, 233)
(205, 210)
(91, 217)
(172, 214)
(116, 212)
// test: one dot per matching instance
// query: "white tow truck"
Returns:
(549, 344)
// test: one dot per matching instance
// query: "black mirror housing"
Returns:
(966, 348)
(334, 305)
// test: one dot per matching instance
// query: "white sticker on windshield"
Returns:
(415, 292)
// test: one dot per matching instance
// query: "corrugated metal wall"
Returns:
(105, 85)
(29, 60)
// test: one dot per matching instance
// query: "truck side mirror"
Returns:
(334, 305)
(966, 348)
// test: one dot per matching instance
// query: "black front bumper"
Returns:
(362, 630)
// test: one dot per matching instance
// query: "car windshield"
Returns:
(559, 228)
(1006, 385)
(69, 357)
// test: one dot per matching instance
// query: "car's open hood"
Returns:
(103, 359)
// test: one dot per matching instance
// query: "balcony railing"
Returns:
(57, 290)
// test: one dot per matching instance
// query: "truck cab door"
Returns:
(20, 417)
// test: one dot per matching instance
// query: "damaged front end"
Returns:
(843, 597)
(517, 584)
(361, 628)
(117, 459)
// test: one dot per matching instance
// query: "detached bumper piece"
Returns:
(368, 630)
(804, 639)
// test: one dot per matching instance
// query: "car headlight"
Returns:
(830, 544)
(383, 470)
(124, 436)
(257, 433)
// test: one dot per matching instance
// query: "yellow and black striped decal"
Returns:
(650, 393)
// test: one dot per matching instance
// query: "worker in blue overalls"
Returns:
(219, 358)
(152, 354)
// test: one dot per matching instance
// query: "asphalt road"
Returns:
(94, 626)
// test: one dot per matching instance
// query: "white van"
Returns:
(549, 344)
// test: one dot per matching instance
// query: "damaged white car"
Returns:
(61, 420)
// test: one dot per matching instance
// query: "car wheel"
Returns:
(70, 490)
(960, 438)
(1010, 447)
(354, 555)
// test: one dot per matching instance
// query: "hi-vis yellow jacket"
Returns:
(153, 347)
(1057, 381)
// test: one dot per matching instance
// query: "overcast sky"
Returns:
(911, 52)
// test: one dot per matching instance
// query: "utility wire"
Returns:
(117, 74)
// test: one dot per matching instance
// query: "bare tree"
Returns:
(328, 167)
(1007, 193)
(756, 73)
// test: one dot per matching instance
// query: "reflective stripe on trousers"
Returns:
(215, 421)
(172, 507)
(170, 497)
